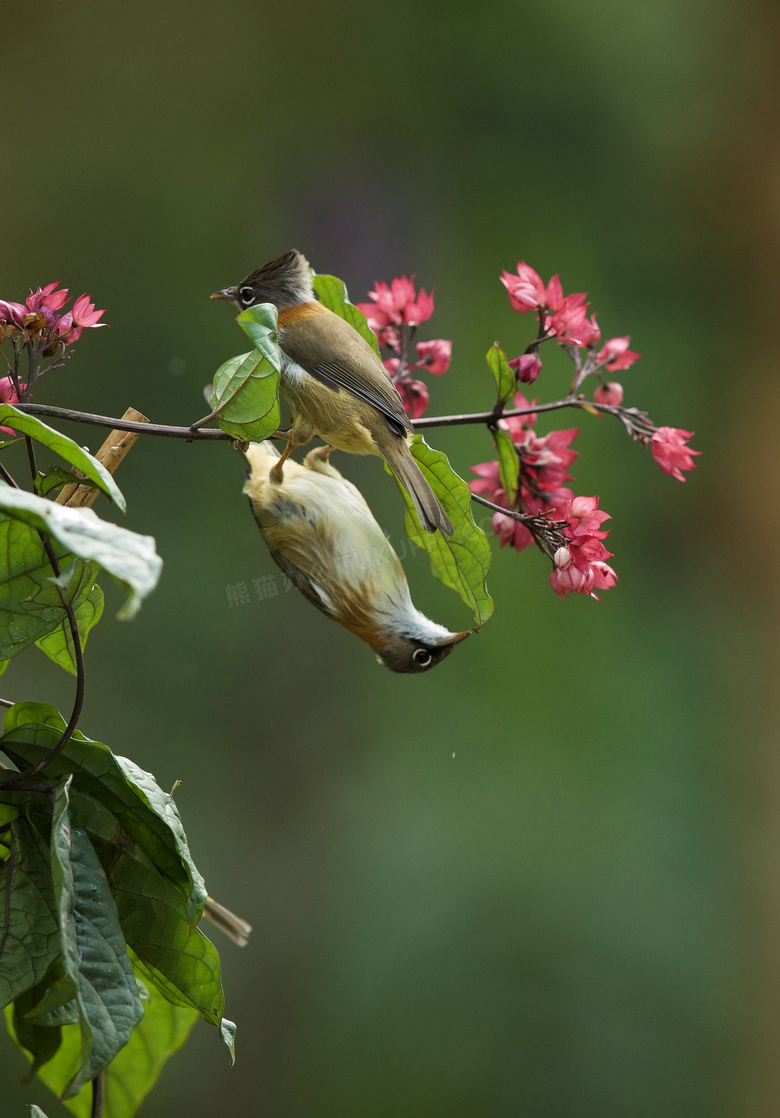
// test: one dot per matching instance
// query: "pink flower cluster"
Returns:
(395, 304)
(564, 317)
(395, 312)
(42, 314)
(544, 462)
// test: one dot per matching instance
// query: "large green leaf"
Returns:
(58, 645)
(131, 559)
(31, 599)
(65, 447)
(145, 813)
(505, 378)
(260, 324)
(462, 560)
(133, 1072)
(508, 463)
(94, 952)
(332, 293)
(246, 396)
(29, 930)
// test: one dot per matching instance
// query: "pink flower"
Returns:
(396, 303)
(670, 451)
(527, 366)
(584, 518)
(567, 578)
(12, 313)
(616, 355)
(47, 297)
(526, 290)
(84, 313)
(434, 355)
(571, 322)
(8, 396)
(414, 395)
(611, 394)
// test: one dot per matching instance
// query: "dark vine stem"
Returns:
(78, 703)
(199, 434)
(98, 1095)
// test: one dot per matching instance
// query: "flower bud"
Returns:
(527, 366)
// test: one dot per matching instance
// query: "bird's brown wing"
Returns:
(312, 344)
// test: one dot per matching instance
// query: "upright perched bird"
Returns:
(322, 534)
(335, 384)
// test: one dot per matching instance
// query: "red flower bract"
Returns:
(671, 452)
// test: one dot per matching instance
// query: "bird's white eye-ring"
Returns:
(422, 657)
(246, 295)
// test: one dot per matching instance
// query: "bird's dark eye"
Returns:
(422, 657)
(246, 295)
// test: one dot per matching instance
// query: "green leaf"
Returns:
(260, 323)
(29, 930)
(58, 645)
(137, 834)
(36, 1112)
(56, 477)
(462, 560)
(145, 813)
(128, 557)
(332, 293)
(508, 463)
(39, 1043)
(506, 381)
(31, 599)
(65, 447)
(246, 395)
(94, 951)
(133, 1072)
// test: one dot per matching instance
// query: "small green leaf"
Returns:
(506, 381)
(131, 559)
(260, 323)
(231, 377)
(246, 394)
(462, 560)
(56, 477)
(36, 1112)
(332, 293)
(58, 645)
(28, 921)
(65, 447)
(508, 463)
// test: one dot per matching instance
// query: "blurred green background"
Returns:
(541, 880)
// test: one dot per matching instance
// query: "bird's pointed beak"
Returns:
(225, 293)
(453, 639)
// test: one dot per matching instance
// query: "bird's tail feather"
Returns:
(428, 506)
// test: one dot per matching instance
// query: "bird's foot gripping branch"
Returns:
(103, 968)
